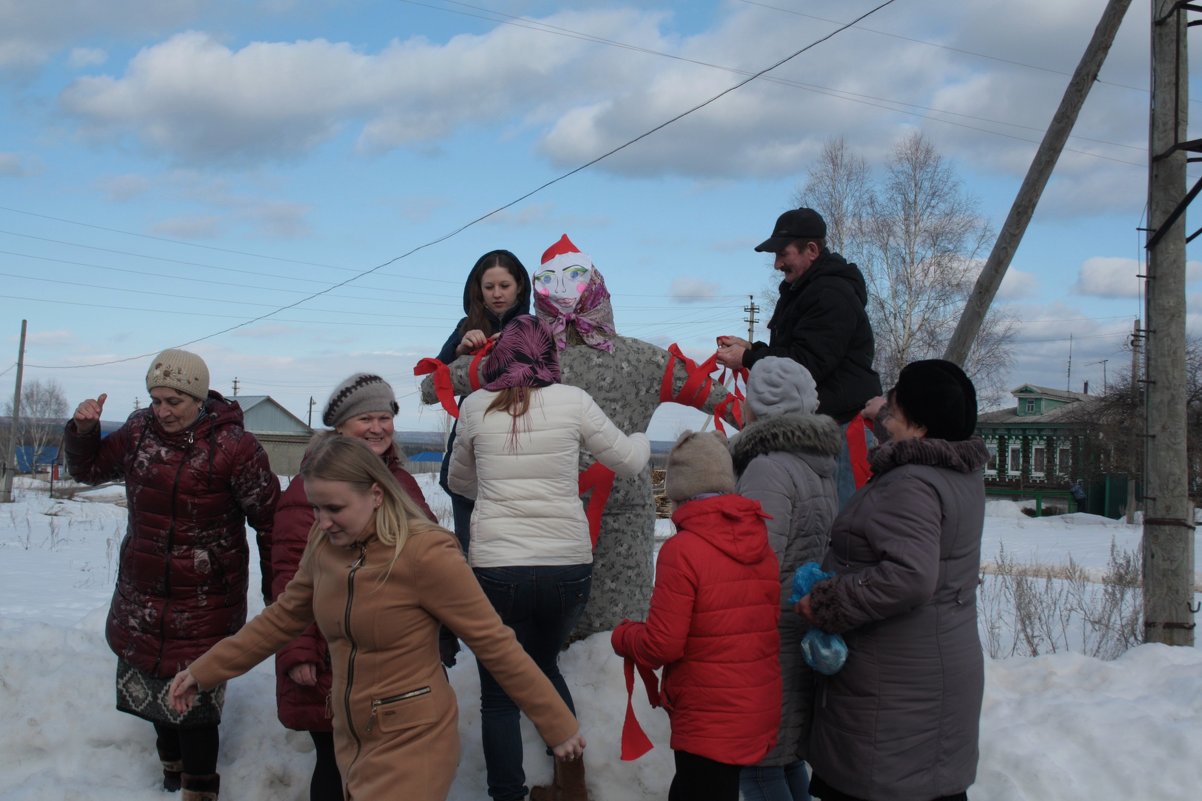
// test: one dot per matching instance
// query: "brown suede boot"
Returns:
(172, 768)
(200, 788)
(571, 780)
(567, 785)
(548, 792)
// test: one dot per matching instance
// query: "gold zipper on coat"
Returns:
(392, 699)
(350, 667)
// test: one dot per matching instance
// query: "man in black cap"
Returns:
(821, 322)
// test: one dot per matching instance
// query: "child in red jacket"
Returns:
(712, 625)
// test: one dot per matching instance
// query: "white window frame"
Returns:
(1011, 468)
(1042, 450)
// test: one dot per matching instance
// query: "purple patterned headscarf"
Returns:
(593, 317)
(524, 356)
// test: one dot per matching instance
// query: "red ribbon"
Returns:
(733, 400)
(857, 451)
(635, 741)
(442, 383)
(598, 479)
(473, 372)
(697, 385)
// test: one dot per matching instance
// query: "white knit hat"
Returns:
(778, 386)
(179, 370)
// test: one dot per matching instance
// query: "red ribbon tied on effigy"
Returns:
(473, 372)
(442, 383)
(697, 385)
(599, 480)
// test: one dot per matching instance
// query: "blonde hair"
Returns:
(333, 457)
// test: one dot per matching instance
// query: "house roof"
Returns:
(1048, 392)
(1080, 411)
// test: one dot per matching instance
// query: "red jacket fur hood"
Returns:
(712, 626)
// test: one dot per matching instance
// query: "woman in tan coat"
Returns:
(378, 578)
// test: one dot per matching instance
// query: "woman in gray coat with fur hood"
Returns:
(900, 721)
(785, 459)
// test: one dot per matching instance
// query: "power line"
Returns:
(508, 205)
(888, 104)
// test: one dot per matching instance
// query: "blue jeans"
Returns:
(542, 605)
(784, 783)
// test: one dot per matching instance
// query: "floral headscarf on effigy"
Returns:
(525, 355)
(569, 289)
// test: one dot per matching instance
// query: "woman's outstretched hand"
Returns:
(571, 748)
(183, 691)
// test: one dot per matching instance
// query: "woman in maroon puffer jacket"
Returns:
(363, 406)
(193, 479)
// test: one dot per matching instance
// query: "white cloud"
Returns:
(690, 290)
(1104, 277)
(86, 57)
(123, 188)
(1017, 285)
(11, 166)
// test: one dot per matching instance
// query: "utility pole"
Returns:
(1103, 363)
(235, 386)
(1168, 530)
(311, 404)
(14, 426)
(751, 309)
(1037, 178)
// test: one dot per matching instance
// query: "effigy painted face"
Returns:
(563, 279)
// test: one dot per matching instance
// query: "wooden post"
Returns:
(1168, 530)
(1037, 178)
(10, 457)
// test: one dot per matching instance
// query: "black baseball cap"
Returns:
(795, 224)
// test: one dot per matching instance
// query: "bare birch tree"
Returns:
(919, 240)
(43, 414)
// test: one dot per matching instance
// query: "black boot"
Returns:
(200, 788)
(172, 770)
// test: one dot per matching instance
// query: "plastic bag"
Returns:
(822, 651)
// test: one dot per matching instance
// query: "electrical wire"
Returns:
(510, 204)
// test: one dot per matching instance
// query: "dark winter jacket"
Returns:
(183, 567)
(298, 706)
(787, 463)
(447, 355)
(900, 720)
(820, 322)
(712, 626)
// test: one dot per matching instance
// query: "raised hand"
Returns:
(87, 414)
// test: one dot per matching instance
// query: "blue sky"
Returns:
(171, 170)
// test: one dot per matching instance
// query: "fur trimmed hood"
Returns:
(813, 434)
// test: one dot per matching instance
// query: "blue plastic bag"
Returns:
(824, 652)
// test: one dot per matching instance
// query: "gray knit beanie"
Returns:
(778, 386)
(358, 394)
(698, 463)
(179, 370)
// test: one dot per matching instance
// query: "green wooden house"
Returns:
(1042, 441)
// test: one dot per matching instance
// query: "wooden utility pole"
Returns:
(1168, 530)
(1037, 178)
(14, 427)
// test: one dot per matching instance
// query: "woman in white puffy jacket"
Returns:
(517, 454)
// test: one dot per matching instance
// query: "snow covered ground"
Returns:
(1054, 728)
